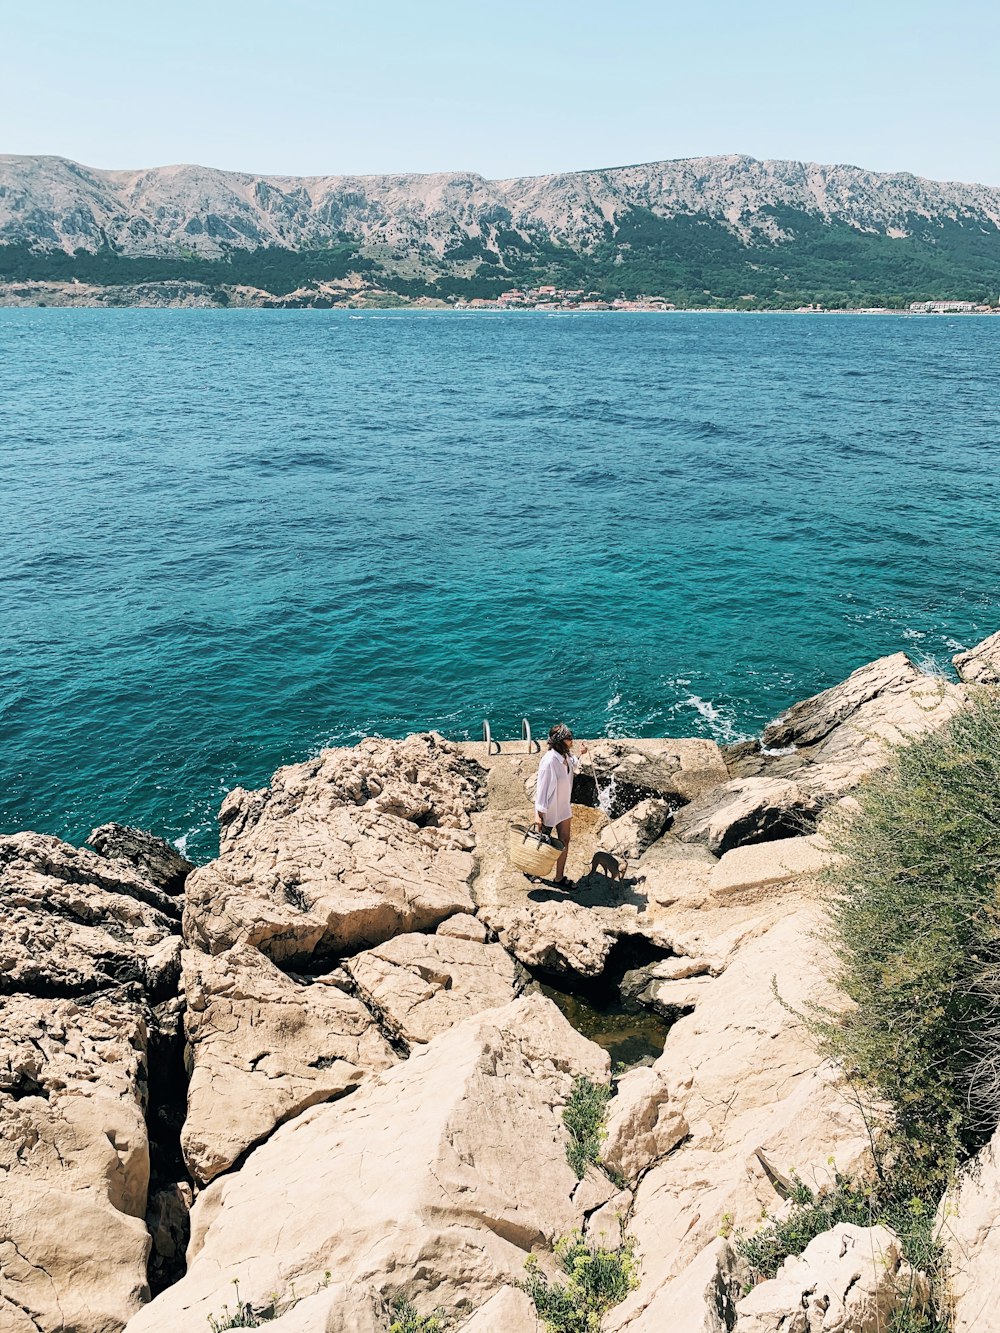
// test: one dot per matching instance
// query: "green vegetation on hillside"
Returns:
(271, 268)
(584, 1116)
(790, 258)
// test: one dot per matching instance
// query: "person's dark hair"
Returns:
(558, 736)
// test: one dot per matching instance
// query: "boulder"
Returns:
(670, 996)
(341, 852)
(509, 1311)
(263, 1047)
(557, 936)
(765, 865)
(841, 734)
(462, 926)
(675, 873)
(701, 1300)
(851, 1279)
(628, 836)
(74, 924)
(746, 810)
(421, 985)
(967, 1225)
(980, 665)
(154, 858)
(642, 1124)
(434, 1180)
(74, 1159)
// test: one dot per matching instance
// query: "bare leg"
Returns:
(563, 832)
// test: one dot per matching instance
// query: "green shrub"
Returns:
(406, 1320)
(584, 1117)
(598, 1280)
(915, 924)
(243, 1316)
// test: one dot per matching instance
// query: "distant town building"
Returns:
(940, 307)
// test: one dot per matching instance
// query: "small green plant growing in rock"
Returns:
(404, 1318)
(598, 1279)
(243, 1316)
(584, 1116)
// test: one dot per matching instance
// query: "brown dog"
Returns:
(609, 864)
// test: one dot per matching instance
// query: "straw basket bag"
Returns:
(532, 852)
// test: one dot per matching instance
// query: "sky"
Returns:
(307, 87)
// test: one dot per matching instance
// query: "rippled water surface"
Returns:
(231, 537)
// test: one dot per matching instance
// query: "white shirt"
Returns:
(555, 786)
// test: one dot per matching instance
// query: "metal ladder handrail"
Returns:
(493, 747)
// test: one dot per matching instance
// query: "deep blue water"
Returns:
(231, 537)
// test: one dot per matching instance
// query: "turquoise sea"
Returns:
(232, 537)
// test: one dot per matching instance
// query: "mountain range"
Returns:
(700, 231)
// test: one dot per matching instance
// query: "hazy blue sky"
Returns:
(512, 88)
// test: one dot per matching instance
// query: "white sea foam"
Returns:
(722, 725)
(613, 701)
(181, 843)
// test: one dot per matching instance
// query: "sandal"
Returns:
(564, 883)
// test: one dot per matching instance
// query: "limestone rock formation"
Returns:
(434, 1179)
(642, 1124)
(968, 1225)
(980, 665)
(509, 1311)
(743, 811)
(765, 865)
(841, 733)
(263, 1047)
(850, 1278)
(421, 985)
(75, 924)
(628, 836)
(89, 955)
(153, 857)
(75, 1164)
(343, 851)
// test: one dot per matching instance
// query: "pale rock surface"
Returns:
(263, 1047)
(767, 864)
(968, 1226)
(509, 1311)
(628, 836)
(666, 997)
(745, 810)
(850, 1279)
(759, 1104)
(434, 1179)
(154, 858)
(642, 1123)
(73, 924)
(606, 1224)
(74, 1159)
(462, 926)
(421, 985)
(980, 665)
(676, 874)
(343, 851)
(560, 936)
(702, 1299)
(841, 734)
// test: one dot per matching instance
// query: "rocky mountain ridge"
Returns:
(56, 203)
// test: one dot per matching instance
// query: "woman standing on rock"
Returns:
(554, 791)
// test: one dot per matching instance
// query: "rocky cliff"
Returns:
(323, 1066)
